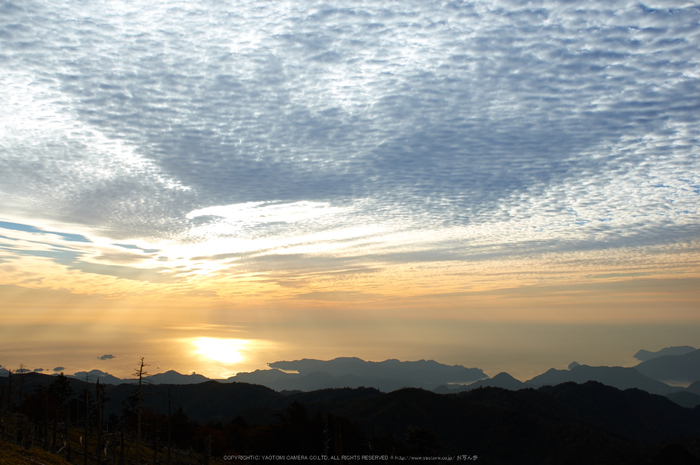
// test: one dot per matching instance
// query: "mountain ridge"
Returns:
(566, 423)
(392, 374)
(684, 367)
(619, 377)
(645, 355)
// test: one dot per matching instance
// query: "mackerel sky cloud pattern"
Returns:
(462, 130)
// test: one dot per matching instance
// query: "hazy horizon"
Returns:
(524, 358)
(216, 186)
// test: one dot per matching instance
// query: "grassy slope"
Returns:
(11, 454)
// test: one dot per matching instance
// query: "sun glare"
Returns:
(221, 350)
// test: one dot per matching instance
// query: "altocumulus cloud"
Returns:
(529, 124)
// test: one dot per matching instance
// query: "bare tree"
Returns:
(140, 372)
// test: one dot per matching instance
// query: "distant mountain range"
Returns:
(683, 367)
(501, 380)
(673, 364)
(644, 355)
(387, 376)
(169, 377)
(309, 375)
(619, 377)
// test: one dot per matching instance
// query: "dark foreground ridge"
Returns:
(567, 423)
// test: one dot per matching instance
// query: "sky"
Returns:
(218, 185)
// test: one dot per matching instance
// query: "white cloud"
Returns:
(283, 123)
(261, 212)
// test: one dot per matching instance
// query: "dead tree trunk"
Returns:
(140, 372)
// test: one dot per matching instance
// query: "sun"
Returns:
(221, 350)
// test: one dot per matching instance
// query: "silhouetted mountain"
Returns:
(223, 401)
(173, 377)
(419, 372)
(30, 382)
(644, 355)
(568, 423)
(263, 377)
(497, 425)
(281, 381)
(684, 367)
(445, 389)
(94, 375)
(335, 395)
(318, 374)
(205, 401)
(684, 398)
(422, 372)
(694, 388)
(619, 377)
(354, 372)
(169, 377)
(501, 380)
(675, 454)
(326, 400)
(631, 414)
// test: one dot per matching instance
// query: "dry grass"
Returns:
(12, 454)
